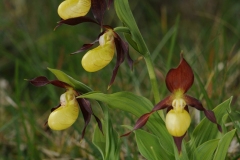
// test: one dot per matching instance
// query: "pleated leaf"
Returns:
(124, 13)
(206, 150)
(137, 106)
(71, 81)
(223, 145)
(108, 143)
(149, 146)
(206, 130)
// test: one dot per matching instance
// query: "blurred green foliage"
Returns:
(208, 33)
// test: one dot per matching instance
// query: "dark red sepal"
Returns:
(86, 109)
(211, 116)
(85, 47)
(140, 123)
(75, 21)
(178, 142)
(98, 8)
(165, 103)
(110, 3)
(181, 77)
(120, 59)
(42, 81)
(198, 105)
(125, 48)
(122, 51)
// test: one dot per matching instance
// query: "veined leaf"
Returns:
(206, 150)
(223, 145)
(69, 80)
(207, 130)
(108, 143)
(137, 106)
(149, 146)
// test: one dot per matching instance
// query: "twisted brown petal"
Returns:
(198, 105)
(165, 103)
(122, 49)
(178, 142)
(98, 9)
(181, 77)
(144, 118)
(42, 81)
(87, 112)
(140, 123)
(75, 21)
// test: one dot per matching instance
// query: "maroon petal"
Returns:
(110, 3)
(144, 118)
(42, 81)
(120, 59)
(75, 21)
(122, 52)
(85, 47)
(178, 142)
(165, 103)
(140, 123)
(98, 9)
(181, 77)
(198, 105)
(87, 112)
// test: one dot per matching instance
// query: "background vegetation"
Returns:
(208, 32)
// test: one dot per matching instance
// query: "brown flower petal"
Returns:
(85, 47)
(87, 112)
(75, 21)
(178, 142)
(165, 103)
(140, 123)
(42, 81)
(121, 48)
(198, 105)
(144, 118)
(181, 77)
(98, 8)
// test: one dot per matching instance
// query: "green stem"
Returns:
(122, 29)
(152, 77)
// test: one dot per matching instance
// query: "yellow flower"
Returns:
(65, 115)
(73, 8)
(100, 56)
(177, 119)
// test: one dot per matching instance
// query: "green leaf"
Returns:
(108, 143)
(137, 105)
(206, 130)
(124, 13)
(99, 140)
(69, 80)
(206, 150)
(223, 145)
(183, 155)
(149, 146)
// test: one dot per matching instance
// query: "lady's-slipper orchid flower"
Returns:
(71, 9)
(99, 57)
(66, 113)
(178, 81)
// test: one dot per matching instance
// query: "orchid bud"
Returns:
(65, 115)
(177, 122)
(100, 56)
(73, 8)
